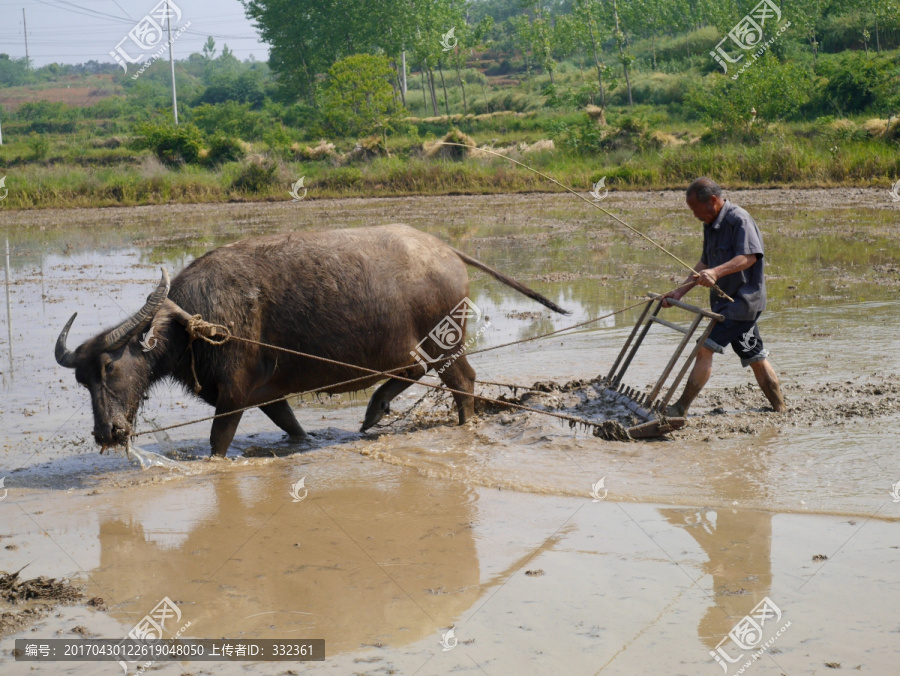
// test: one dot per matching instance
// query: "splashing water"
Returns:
(147, 459)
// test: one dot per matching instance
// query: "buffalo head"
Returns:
(116, 367)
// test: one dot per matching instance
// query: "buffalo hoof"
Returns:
(374, 414)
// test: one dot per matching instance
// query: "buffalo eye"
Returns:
(106, 365)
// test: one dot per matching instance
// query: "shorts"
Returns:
(744, 338)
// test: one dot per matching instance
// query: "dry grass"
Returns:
(545, 145)
(596, 113)
(663, 139)
(436, 150)
(892, 131)
(842, 126)
(324, 150)
(459, 117)
(367, 149)
(875, 127)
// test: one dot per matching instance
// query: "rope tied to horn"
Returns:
(209, 332)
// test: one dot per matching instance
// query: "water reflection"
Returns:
(350, 563)
(737, 543)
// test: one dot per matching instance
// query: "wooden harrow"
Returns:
(650, 406)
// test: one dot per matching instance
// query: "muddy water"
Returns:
(425, 525)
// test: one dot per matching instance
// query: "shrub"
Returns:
(502, 68)
(572, 97)
(256, 175)
(39, 146)
(224, 148)
(231, 118)
(856, 81)
(581, 137)
(740, 109)
(171, 144)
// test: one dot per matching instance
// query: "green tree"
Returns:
(532, 35)
(13, 72)
(587, 16)
(358, 96)
(308, 36)
(806, 14)
(624, 57)
(209, 49)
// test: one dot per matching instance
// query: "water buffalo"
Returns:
(366, 296)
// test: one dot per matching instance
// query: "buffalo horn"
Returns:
(65, 357)
(115, 337)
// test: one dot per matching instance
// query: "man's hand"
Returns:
(685, 287)
(677, 294)
(707, 277)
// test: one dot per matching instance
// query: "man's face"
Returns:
(705, 211)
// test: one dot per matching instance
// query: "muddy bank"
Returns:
(783, 199)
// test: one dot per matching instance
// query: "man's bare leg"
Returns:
(768, 383)
(698, 378)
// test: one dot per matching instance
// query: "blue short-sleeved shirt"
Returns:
(735, 233)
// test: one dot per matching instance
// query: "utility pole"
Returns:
(171, 63)
(27, 60)
(403, 60)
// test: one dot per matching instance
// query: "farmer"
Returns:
(733, 259)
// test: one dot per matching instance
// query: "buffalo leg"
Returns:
(223, 428)
(380, 403)
(461, 376)
(282, 415)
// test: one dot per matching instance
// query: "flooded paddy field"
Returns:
(497, 528)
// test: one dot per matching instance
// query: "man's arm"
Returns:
(689, 283)
(710, 276)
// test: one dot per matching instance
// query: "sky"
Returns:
(75, 31)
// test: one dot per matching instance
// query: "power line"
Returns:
(83, 11)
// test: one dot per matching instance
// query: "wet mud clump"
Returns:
(612, 430)
(13, 589)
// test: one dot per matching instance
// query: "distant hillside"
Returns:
(73, 90)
